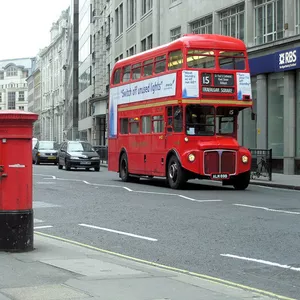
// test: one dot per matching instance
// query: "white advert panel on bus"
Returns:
(153, 88)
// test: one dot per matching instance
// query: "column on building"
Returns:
(249, 19)
(156, 23)
(289, 123)
(125, 22)
(262, 108)
(138, 27)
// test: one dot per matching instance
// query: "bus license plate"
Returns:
(219, 176)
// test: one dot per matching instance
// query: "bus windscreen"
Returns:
(201, 59)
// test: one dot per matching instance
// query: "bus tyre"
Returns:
(124, 175)
(175, 174)
(242, 181)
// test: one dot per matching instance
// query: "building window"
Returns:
(147, 43)
(11, 100)
(131, 51)
(233, 21)
(175, 33)
(85, 79)
(21, 96)
(1, 75)
(297, 20)
(119, 20)
(0, 97)
(131, 12)
(21, 107)
(11, 71)
(202, 26)
(275, 113)
(268, 21)
(146, 6)
(83, 110)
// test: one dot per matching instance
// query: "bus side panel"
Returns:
(158, 154)
(113, 155)
(135, 154)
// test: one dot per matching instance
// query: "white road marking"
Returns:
(45, 182)
(38, 221)
(265, 262)
(46, 175)
(269, 209)
(130, 190)
(42, 227)
(127, 189)
(119, 232)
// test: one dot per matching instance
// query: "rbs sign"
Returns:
(287, 60)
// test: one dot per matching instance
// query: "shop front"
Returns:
(275, 119)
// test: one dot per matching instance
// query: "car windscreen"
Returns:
(47, 145)
(80, 147)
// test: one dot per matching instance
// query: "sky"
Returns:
(25, 26)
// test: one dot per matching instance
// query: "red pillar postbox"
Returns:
(16, 213)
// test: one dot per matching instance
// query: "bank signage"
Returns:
(280, 61)
(287, 60)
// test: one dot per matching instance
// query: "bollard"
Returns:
(16, 213)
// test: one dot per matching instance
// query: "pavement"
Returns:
(59, 269)
(245, 238)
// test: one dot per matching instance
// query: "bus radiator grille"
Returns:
(228, 161)
(219, 161)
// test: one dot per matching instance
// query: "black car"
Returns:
(45, 152)
(78, 154)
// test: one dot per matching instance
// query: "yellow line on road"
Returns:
(202, 276)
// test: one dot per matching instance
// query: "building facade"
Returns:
(13, 83)
(70, 68)
(270, 29)
(52, 60)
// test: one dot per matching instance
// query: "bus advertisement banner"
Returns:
(190, 84)
(153, 88)
(243, 85)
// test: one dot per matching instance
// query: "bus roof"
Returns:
(198, 41)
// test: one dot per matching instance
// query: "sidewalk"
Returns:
(60, 270)
(291, 182)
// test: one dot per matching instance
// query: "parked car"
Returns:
(45, 152)
(78, 154)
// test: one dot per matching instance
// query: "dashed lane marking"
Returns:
(43, 227)
(119, 232)
(269, 209)
(133, 191)
(261, 261)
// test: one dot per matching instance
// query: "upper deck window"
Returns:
(232, 60)
(136, 71)
(117, 76)
(126, 74)
(148, 67)
(175, 60)
(160, 64)
(201, 59)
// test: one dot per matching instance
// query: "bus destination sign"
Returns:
(223, 83)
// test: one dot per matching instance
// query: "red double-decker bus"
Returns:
(173, 112)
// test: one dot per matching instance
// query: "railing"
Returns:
(102, 152)
(261, 166)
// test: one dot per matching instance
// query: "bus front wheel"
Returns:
(242, 181)
(175, 174)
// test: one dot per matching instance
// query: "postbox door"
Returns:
(17, 183)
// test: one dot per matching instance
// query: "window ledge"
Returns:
(147, 14)
(174, 4)
(119, 37)
(131, 27)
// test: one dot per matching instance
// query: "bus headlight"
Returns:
(191, 157)
(244, 159)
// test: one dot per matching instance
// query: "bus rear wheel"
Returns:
(242, 181)
(175, 174)
(124, 175)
